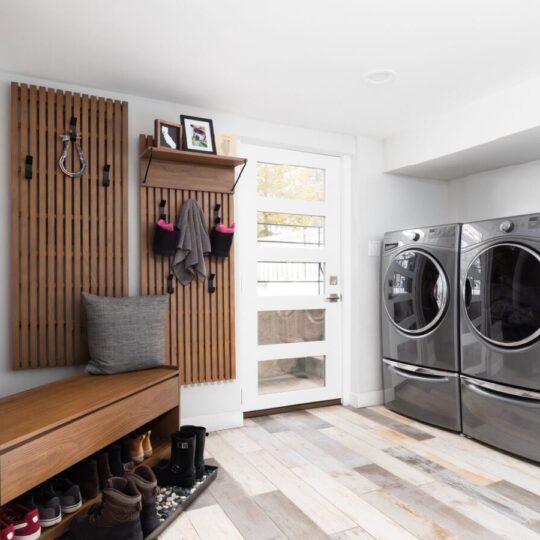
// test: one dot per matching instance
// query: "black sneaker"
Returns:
(68, 493)
(48, 505)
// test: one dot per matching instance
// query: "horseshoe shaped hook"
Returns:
(75, 137)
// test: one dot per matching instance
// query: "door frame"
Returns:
(347, 222)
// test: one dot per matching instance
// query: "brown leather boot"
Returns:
(146, 482)
(135, 441)
(147, 444)
(117, 517)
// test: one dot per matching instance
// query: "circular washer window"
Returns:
(415, 291)
(502, 294)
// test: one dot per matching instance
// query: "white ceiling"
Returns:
(298, 62)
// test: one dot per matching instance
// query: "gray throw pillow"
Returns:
(125, 334)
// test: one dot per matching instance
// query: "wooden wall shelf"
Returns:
(178, 169)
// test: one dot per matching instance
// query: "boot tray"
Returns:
(179, 505)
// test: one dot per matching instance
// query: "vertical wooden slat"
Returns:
(213, 309)
(85, 223)
(75, 356)
(68, 239)
(232, 299)
(52, 141)
(16, 168)
(220, 309)
(24, 194)
(125, 186)
(32, 224)
(151, 259)
(226, 300)
(108, 193)
(199, 314)
(207, 299)
(102, 240)
(116, 187)
(42, 228)
(60, 239)
(188, 371)
(93, 203)
(179, 301)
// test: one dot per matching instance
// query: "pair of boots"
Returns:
(186, 465)
(127, 510)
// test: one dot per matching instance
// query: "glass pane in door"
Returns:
(291, 326)
(290, 182)
(290, 278)
(290, 374)
(289, 230)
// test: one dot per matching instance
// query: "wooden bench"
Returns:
(45, 430)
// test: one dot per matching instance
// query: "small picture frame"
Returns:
(226, 144)
(198, 134)
(167, 135)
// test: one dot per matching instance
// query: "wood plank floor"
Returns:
(346, 474)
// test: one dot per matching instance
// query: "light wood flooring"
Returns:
(346, 474)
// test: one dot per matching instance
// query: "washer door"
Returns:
(415, 292)
(502, 294)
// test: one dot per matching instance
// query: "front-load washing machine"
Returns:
(419, 324)
(500, 333)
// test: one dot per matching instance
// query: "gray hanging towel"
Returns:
(193, 245)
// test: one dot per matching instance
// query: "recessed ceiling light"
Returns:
(380, 76)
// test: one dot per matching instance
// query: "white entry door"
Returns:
(289, 326)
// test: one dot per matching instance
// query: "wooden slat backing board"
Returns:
(201, 326)
(68, 235)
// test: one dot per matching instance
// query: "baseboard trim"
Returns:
(366, 399)
(290, 408)
(216, 422)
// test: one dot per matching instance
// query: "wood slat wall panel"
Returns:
(68, 234)
(201, 326)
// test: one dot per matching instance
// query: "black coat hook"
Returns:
(28, 162)
(162, 214)
(217, 219)
(211, 286)
(170, 286)
(106, 170)
(73, 128)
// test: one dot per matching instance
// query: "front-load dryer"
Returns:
(500, 331)
(419, 324)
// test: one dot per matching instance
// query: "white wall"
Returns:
(502, 192)
(380, 202)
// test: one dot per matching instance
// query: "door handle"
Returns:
(334, 297)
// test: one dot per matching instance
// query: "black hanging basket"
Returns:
(165, 241)
(221, 243)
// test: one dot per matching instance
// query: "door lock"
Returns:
(334, 297)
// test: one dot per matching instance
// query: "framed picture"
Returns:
(226, 144)
(167, 135)
(198, 134)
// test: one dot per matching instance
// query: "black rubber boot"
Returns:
(200, 433)
(180, 469)
(125, 453)
(115, 460)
